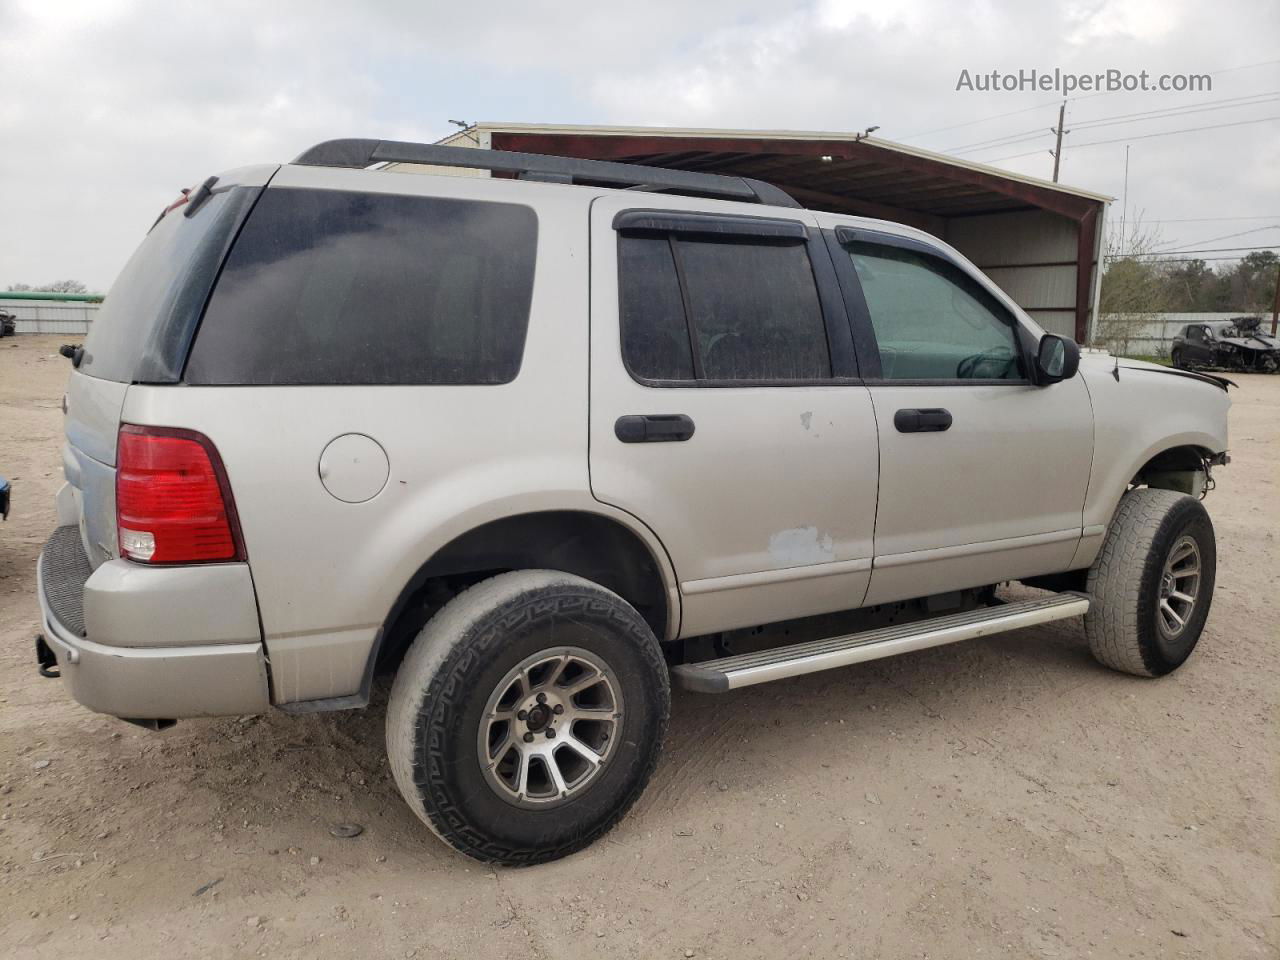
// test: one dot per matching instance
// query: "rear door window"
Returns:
(339, 287)
(723, 310)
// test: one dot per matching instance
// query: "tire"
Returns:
(1176, 359)
(544, 628)
(1127, 623)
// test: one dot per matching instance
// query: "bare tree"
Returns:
(1134, 289)
(67, 286)
(58, 286)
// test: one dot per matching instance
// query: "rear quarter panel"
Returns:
(328, 572)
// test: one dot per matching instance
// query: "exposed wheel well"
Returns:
(592, 546)
(1184, 469)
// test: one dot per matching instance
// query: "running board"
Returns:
(743, 670)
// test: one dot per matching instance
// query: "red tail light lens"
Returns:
(173, 502)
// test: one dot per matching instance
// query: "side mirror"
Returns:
(1057, 358)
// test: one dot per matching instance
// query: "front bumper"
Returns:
(153, 677)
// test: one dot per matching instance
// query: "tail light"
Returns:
(173, 502)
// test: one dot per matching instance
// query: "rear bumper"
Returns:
(160, 674)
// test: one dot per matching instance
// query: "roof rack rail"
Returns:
(535, 166)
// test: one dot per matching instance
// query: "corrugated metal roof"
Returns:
(488, 128)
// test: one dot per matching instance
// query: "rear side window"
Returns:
(737, 309)
(336, 287)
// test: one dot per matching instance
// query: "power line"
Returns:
(1229, 236)
(995, 141)
(1021, 137)
(1270, 216)
(1161, 253)
(1051, 103)
(1145, 136)
(1144, 116)
(1130, 256)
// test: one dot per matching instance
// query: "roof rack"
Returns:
(535, 166)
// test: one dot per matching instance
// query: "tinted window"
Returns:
(142, 331)
(750, 308)
(1196, 334)
(655, 338)
(332, 287)
(754, 310)
(931, 320)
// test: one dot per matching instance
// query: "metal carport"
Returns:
(1039, 241)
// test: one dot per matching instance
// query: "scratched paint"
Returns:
(806, 418)
(800, 546)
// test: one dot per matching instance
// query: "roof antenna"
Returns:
(865, 133)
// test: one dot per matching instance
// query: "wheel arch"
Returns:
(1174, 468)
(598, 547)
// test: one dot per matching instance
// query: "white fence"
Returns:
(1151, 334)
(71, 317)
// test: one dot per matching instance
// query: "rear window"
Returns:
(144, 326)
(335, 287)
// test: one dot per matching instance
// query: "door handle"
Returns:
(653, 428)
(927, 420)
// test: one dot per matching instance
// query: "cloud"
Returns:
(107, 107)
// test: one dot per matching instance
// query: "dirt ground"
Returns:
(1000, 798)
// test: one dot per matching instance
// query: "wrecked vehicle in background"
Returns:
(8, 324)
(1235, 344)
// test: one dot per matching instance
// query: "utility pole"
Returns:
(1275, 306)
(1057, 150)
(1124, 198)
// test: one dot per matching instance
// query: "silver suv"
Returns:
(542, 444)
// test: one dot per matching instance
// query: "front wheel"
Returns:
(528, 716)
(1152, 584)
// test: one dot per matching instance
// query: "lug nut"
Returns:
(542, 698)
(528, 738)
(551, 733)
(559, 709)
(522, 715)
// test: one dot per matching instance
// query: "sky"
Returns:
(109, 107)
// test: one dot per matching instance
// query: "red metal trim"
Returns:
(1086, 241)
(837, 203)
(611, 146)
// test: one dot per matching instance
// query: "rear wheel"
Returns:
(528, 716)
(1176, 358)
(1152, 583)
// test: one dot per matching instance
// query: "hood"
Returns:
(1102, 362)
(1258, 341)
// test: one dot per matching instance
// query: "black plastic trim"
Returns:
(923, 420)
(361, 153)
(707, 225)
(653, 428)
